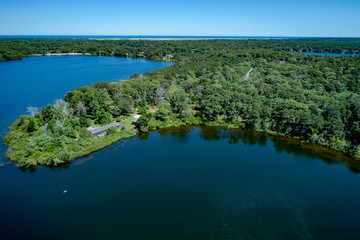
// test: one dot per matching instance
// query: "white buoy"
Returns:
(65, 191)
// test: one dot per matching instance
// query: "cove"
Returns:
(185, 183)
(37, 81)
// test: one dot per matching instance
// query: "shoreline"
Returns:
(223, 124)
(61, 54)
(335, 156)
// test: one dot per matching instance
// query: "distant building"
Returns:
(168, 56)
(102, 130)
(135, 118)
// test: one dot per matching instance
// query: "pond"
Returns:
(185, 183)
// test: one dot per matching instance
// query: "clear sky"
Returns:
(322, 18)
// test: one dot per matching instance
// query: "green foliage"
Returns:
(48, 113)
(63, 156)
(157, 50)
(144, 110)
(262, 85)
(143, 122)
(178, 99)
(85, 122)
(31, 127)
(123, 107)
(103, 117)
(84, 133)
(164, 113)
(72, 133)
(112, 130)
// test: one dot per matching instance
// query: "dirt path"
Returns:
(248, 74)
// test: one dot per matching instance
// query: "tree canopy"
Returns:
(262, 85)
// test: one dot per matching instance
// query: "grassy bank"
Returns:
(100, 143)
(83, 147)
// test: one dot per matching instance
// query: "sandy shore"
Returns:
(61, 54)
(166, 39)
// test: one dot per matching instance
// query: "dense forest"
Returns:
(16, 48)
(262, 85)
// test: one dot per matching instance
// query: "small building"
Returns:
(102, 130)
(135, 118)
(168, 56)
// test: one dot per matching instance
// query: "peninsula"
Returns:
(257, 84)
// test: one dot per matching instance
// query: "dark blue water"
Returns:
(331, 54)
(185, 183)
(181, 183)
(37, 81)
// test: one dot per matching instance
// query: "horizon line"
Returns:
(170, 36)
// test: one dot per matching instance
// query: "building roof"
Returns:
(95, 130)
(136, 117)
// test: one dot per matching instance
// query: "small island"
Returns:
(261, 85)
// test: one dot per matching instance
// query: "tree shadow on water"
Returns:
(57, 168)
(176, 134)
(143, 136)
(233, 136)
(312, 152)
(182, 131)
(308, 151)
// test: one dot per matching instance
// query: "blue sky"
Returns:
(331, 18)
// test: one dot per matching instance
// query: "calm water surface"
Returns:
(186, 183)
(182, 183)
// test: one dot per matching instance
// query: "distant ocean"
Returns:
(142, 37)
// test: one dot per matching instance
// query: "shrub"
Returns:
(31, 126)
(84, 133)
(142, 122)
(112, 130)
(63, 156)
(153, 124)
(144, 110)
(49, 160)
(103, 117)
(71, 132)
(85, 122)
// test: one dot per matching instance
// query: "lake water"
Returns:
(37, 81)
(185, 183)
(176, 183)
(331, 54)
